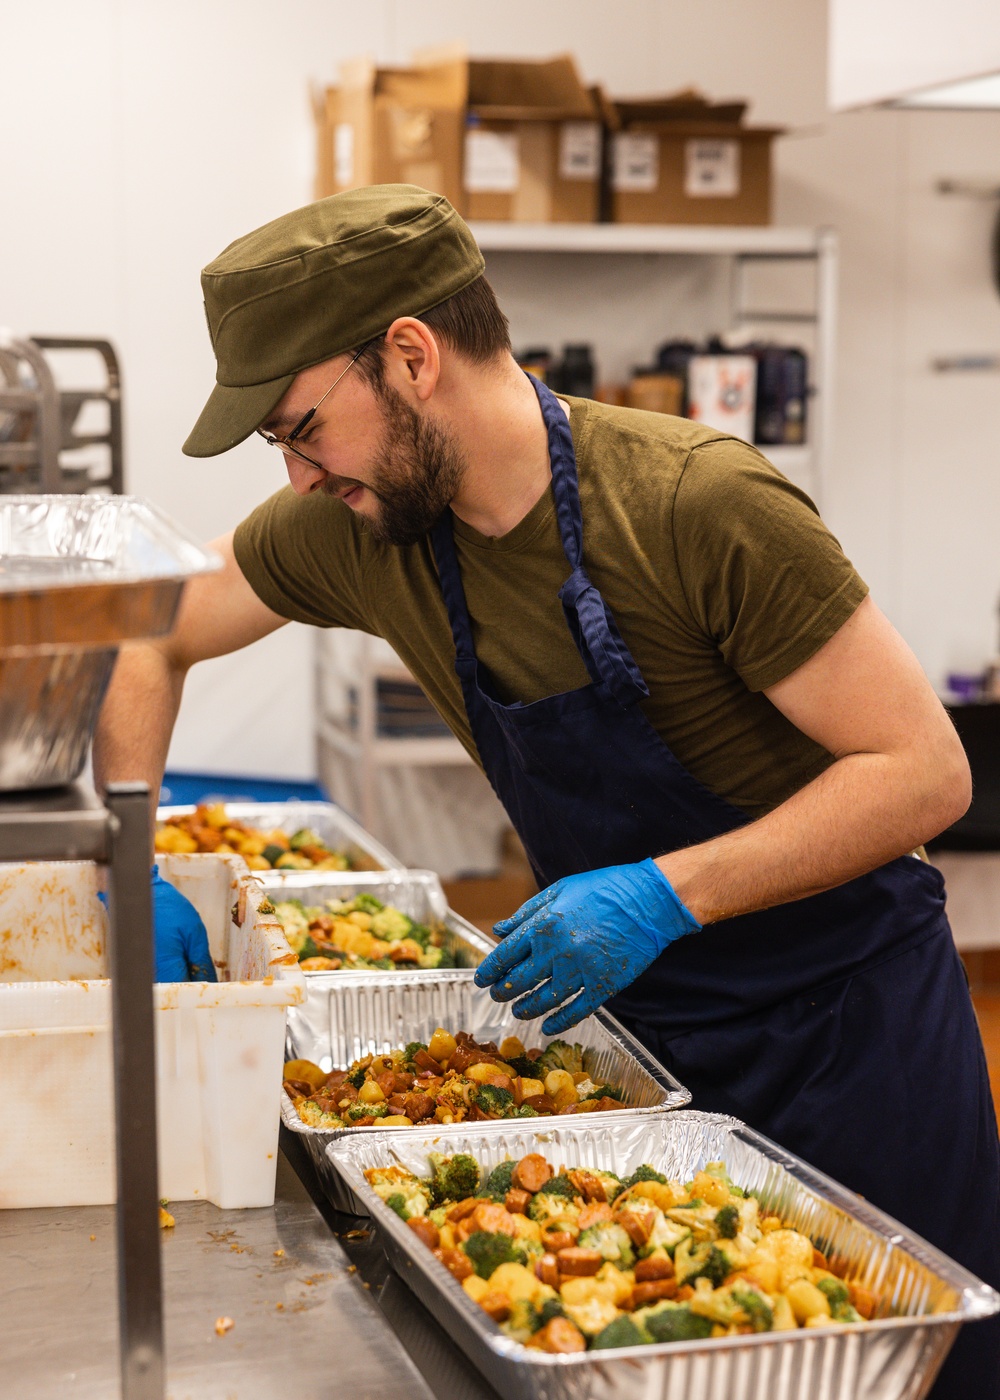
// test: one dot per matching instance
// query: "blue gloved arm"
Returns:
(582, 940)
(180, 943)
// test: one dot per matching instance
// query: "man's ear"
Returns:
(413, 361)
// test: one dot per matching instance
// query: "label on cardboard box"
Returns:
(492, 162)
(711, 169)
(636, 164)
(579, 151)
(343, 153)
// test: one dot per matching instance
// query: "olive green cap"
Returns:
(316, 283)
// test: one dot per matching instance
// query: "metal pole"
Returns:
(821, 431)
(140, 1287)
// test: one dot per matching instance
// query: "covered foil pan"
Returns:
(925, 1296)
(331, 823)
(78, 576)
(347, 1015)
(417, 893)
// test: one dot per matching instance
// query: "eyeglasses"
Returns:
(287, 444)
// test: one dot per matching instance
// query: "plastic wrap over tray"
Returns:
(332, 825)
(347, 1015)
(923, 1295)
(417, 893)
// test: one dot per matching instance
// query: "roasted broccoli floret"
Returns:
(526, 1111)
(390, 924)
(366, 904)
(644, 1173)
(549, 1205)
(498, 1183)
(397, 1202)
(709, 1262)
(606, 1091)
(307, 948)
(357, 1076)
(453, 1178)
(561, 1186)
(366, 1110)
(552, 1307)
(411, 1050)
(756, 1307)
(674, 1322)
(623, 1332)
(493, 1100)
(487, 1250)
(837, 1295)
(612, 1241)
(559, 1054)
(436, 958)
(389, 1182)
(727, 1221)
(524, 1066)
(305, 837)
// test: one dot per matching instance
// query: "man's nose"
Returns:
(304, 477)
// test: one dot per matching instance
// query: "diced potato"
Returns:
(488, 1074)
(515, 1280)
(442, 1045)
(250, 846)
(511, 1047)
(173, 841)
(306, 1071)
(475, 1286)
(370, 1092)
(807, 1301)
(215, 816)
(257, 863)
(711, 1189)
(360, 918)
(619, 1283)
(531, 1087)
(525, 1229)
(447, 1238)
(558, 1079)
(396, 1120)
(784, 1318)
(276, 838)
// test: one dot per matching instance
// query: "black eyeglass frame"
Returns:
(287, 444)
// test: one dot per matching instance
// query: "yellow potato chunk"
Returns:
(370, 1092)
(531, 1087)
(396, 1120)
(525, 1229)
(359, 917)
(442, 1045)
(215, 816)
(517, 1281)
(306, 1071)
(511, 1047)
(710, 1189)
(557, 1080)
(476, 1287)
(784, 1318)
(793, 1253)
(806, 1301)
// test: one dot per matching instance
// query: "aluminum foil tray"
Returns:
(895, 1357)
(349, 1014)
(417, 893)
(336, 829)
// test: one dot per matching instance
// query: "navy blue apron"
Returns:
(839, 1025)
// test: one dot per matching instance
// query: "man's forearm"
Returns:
(864, 810)
(137, 719)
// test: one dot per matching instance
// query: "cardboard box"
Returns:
(393, 126)
(684, 160)
(533, 143)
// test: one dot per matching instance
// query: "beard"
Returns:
(416, 473)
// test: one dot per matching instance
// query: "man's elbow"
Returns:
(952, 794)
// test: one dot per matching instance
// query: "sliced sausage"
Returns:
(497, 1305)
(455, 1262)
(297, 1089)
(463, 1209)
(418, 1106)
(645, 1293)
(653, 1269)
(425, 1230)
(862, 1299)
(493, 1218)
(555, 1240)
(579, 1263)
(532, 1172)
(386, 1082)
(596, 1213)
(590, 1187)
(559, 1335)
(819, 1260)
(541, 1103)
(517, 1202)
(547, 1269)
(638, 1224)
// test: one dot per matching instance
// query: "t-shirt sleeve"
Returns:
(300, 555)
(761, 573)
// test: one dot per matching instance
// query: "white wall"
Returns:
(139, 139)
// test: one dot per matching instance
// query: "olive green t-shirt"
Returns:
(718, 571)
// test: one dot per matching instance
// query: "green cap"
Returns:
(315, 283)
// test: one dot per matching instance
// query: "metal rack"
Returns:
(72, 824)
(40, 422)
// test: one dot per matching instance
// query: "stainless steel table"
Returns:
(305, 1323)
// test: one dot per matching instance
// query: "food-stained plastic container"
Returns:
(332, 825)
(219, 1046)
(924, 1296)
(349, 1014)
(416, 893)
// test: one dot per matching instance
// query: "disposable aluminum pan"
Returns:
(417, 893)
(347, 1015)
(331, 824)
(78, 576)
(924, 1295)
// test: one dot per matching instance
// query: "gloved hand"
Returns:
(180, 943)
(589, 934)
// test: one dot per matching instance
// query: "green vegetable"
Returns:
(526, 1111)
(836, 1292)
(366, 904)
(623, 1332)
(706, 1261)
(307, 948)
(453, 1178)
(365, 1110)
(357, 1076)
(605, 1091)
(559, 1054)
(436, 958)
(612, 1241)
(674, 1322)
(305, 837)
(727, 1221)
(390, 924)
(410, 1052)
(487, 1250)
(548, 1204)
(493, 1100)
(552, 1307)
(666, 1235)
(397, 1202)
(756, 1307)
(272, 854)
(498, 1183)
(561, 1186)
(524, 1066)
(644, 1173)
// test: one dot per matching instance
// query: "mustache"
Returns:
(341, 485)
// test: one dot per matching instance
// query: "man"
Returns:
(717, 751)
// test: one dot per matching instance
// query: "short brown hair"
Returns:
(470, 322)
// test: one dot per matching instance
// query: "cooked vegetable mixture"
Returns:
(451, 1079)
(347, 934)
(570, 1260)
(208, 829)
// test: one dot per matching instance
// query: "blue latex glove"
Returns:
(180, 943)
(582, 940)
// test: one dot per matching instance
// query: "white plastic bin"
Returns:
(219, 1046)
